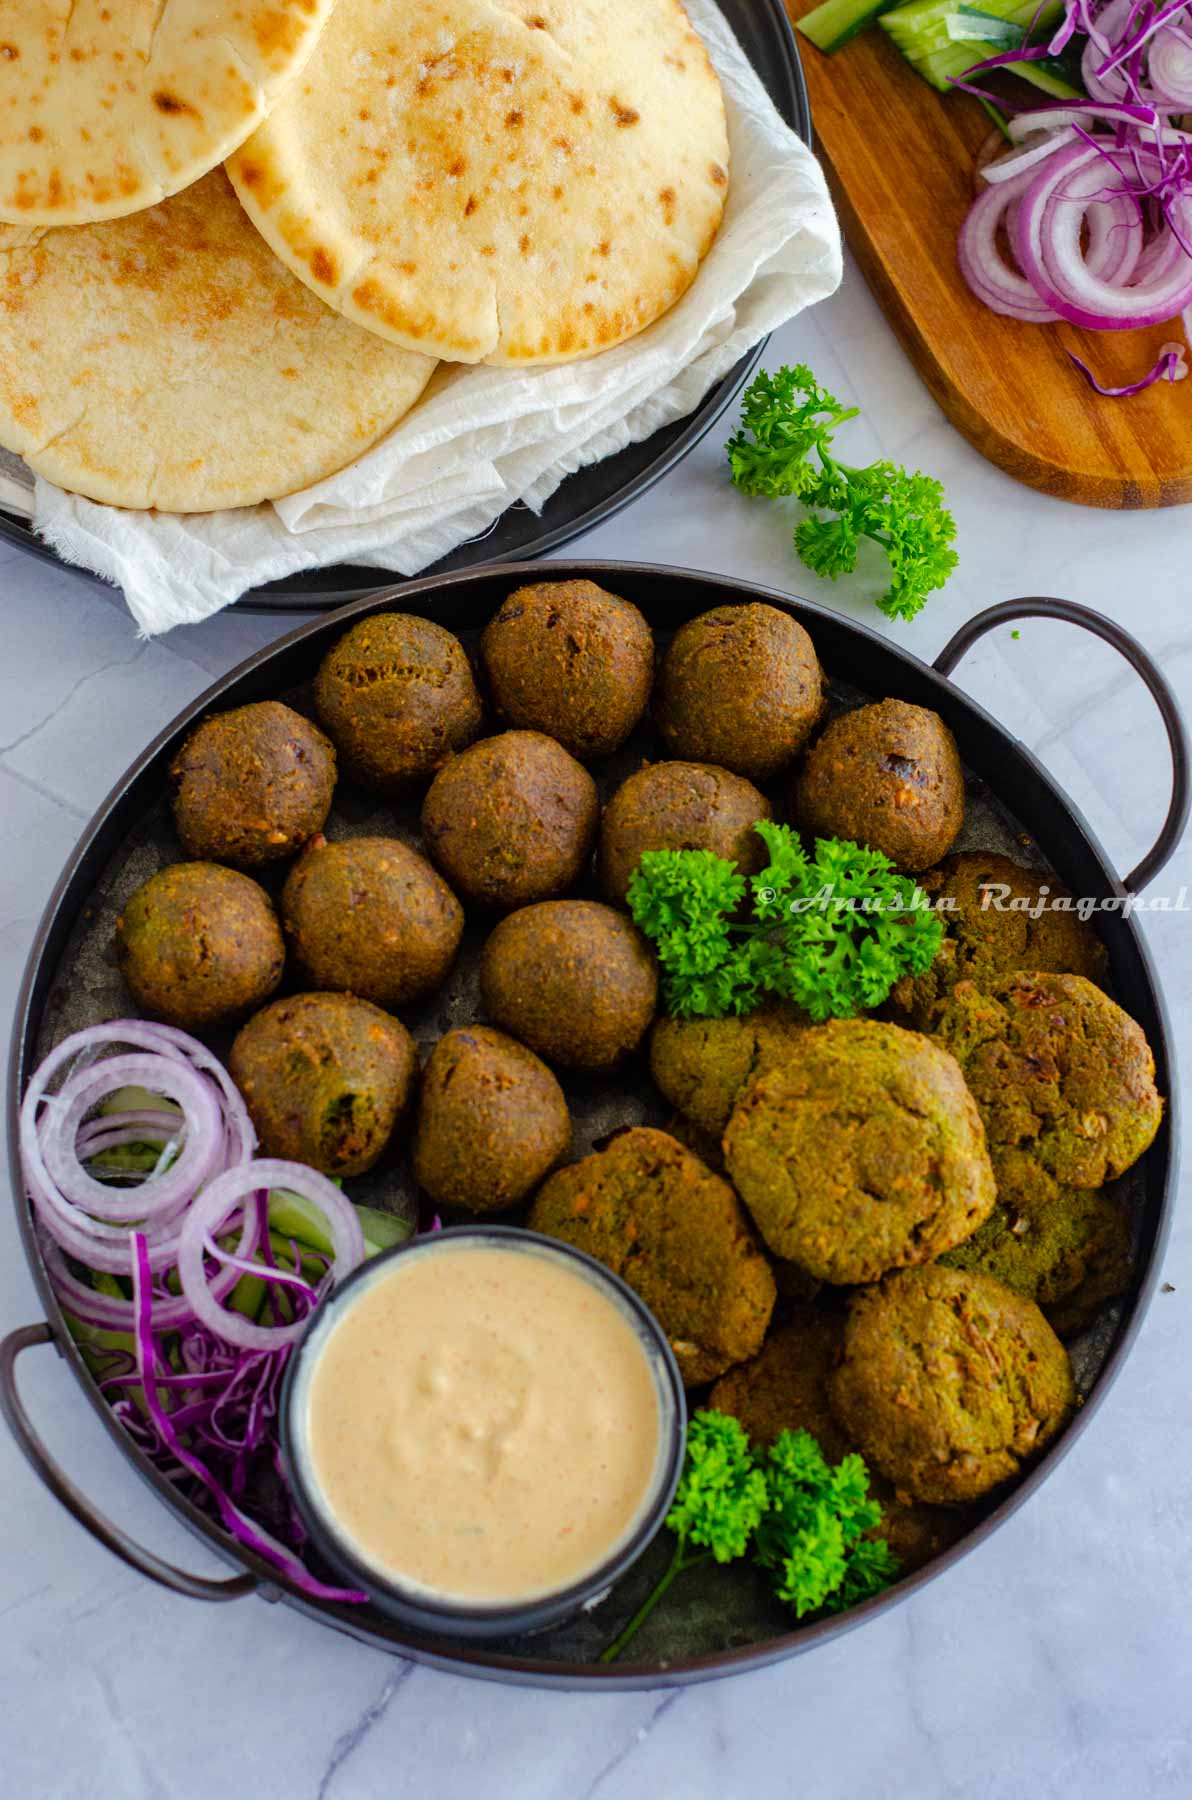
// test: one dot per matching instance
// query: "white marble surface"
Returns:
(1055, 1662)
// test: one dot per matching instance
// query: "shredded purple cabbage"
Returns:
(1167, 368)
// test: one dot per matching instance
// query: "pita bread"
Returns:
(169, 360)
(109, 105)
(523, 182)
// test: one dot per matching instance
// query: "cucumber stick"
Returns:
(836, 21)
(926, 32)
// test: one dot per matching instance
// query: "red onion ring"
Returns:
(215, 1205)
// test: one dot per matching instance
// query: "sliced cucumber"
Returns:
(837, 21)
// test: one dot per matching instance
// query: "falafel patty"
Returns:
(1070, 1252)
(199, 944)
(492, 1121)
(326, 1078)
(786, 1388)
(369, 916)
(989, 930)
(574, 980)
(511, 820)
(571, 660)
(250, 786)
(740, 687)
(680, 806)
(950, 1381)
(1063, 1078)
(653, 1214)
(862, 1153)
(396, 693)
(702, 1065)
(887, 775)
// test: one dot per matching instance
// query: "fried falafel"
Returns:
(251, 786)
(702, 1065)
(326, 1078)
(887, 775)
(574, 980)
(396, 694)
(1063, 1078)
(571, 660)
(679, 806)
(369, 916)
(492, 1121)
(864, 1152)
(199, 944)
(511, 820)
(949, 1381)
(653, 1214)
(740, 687)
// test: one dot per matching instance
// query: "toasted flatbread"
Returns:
(513, 183)
(107, 106)
(169, 360)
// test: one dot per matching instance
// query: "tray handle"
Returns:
(195, 1587)
(1041, 606)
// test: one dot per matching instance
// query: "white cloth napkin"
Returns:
(482, 438)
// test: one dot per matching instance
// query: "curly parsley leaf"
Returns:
(811, 1532)
(831, 933)
(787, 419)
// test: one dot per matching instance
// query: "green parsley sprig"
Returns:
(831, 932)
(786, 420)
(803, 1520)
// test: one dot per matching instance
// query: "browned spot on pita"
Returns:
(624, 115)
(719, 175)
(250, 174)
(537, 23)
(603, 248)
(556, 192)
(408, 268)
(488, 250)
(668, 198)
(563, 144)
(577, 103)
(523, 244)
(514, 119)
(276, 31)
(458, 167)
(35, 134)
(170, 104)
(471, 206)
(9, 52)
(290, 374)
(322, 265)
(364, 115)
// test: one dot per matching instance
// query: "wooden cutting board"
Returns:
(900, 158)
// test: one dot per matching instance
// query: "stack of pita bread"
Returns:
(512, 182)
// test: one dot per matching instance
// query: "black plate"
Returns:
(593, 494)
(1002, 774)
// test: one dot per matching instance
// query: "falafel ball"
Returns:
(886, 775)
(1063, 1078)
(680, 806)
(863, 1153)
(990, 930)
(569, 659)
(397, 695)
(653, 1214)
(741, 687)
(574, 980)
(950, 1381)
(492, 1121)
(250, 786)
(511, 820)
(199, 944)
(369, 916)
(1070, 1253)
(702, 1065)
(326, 1078)
(786, 1389)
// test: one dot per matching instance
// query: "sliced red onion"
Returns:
(1047, 239)
(1171, 366)
(1169, 63)
(215, 1205)
(984, 268)
(1016, 162)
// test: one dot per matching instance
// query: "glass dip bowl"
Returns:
(483, 1429)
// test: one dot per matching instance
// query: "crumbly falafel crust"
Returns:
(652, 1213)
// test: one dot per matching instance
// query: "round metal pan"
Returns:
(667, 597)
(591, 495)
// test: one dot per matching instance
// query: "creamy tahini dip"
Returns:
(483, 1424)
